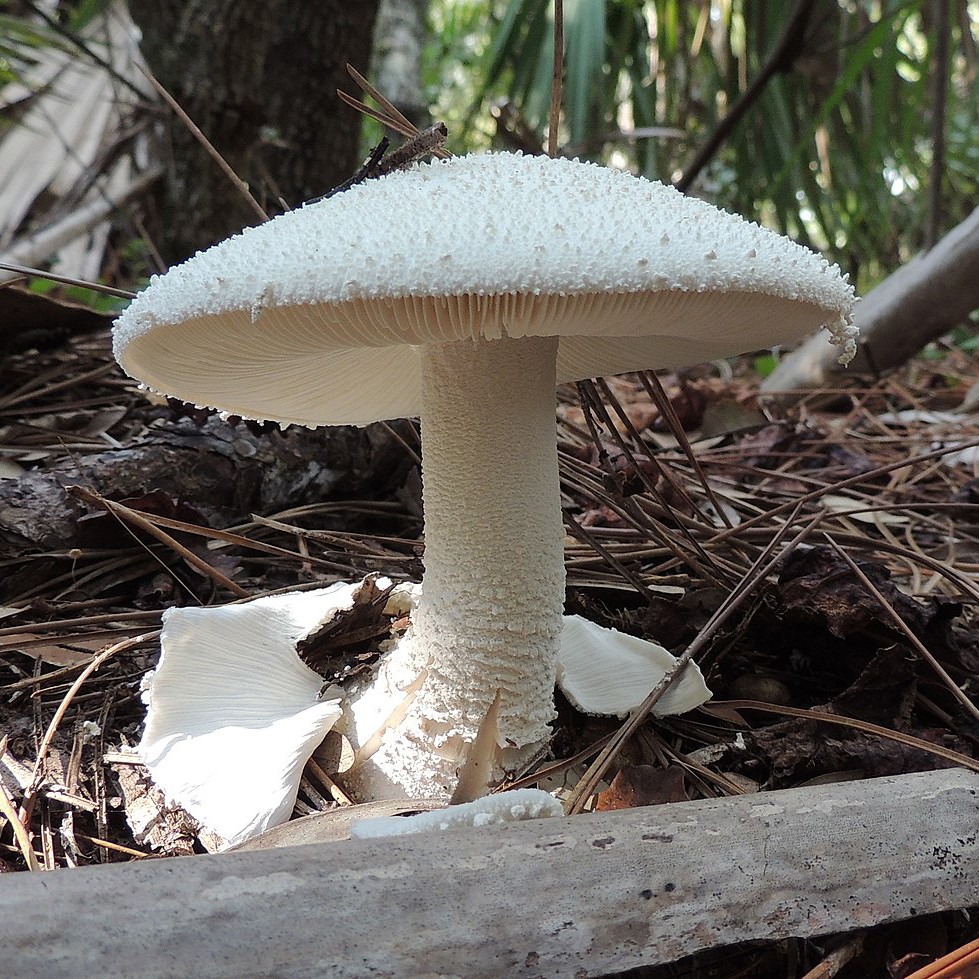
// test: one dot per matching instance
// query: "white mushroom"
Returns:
(463, 291)
(233, 714)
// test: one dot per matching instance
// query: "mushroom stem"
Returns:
(493, 592)
(489, 618)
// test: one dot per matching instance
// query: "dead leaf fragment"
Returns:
(818, 584)
(643, 785)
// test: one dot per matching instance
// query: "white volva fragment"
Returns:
(492, 810)
(604, 671)
(233, 713)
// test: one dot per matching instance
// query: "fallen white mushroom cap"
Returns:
(318, 316)
(233, 713)
(492, 810)
(604, 671)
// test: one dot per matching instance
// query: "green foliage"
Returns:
(836, 151)
(19, 39)
(91, 298)
(765, 364)
(22, 36)
(966, 339)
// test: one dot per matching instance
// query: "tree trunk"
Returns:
(259, 78)
(396, 68)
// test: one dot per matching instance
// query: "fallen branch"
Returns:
(225, 471)
(916, 304)
(585, 895)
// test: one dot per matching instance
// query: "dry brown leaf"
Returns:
(643, 785)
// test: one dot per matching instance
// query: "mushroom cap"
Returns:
(318, 316)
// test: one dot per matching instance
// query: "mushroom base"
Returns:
(488, 625)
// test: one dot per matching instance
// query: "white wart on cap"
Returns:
(463, 291)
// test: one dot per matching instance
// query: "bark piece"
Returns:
(582, 896)
(224, 470)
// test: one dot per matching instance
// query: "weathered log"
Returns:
(225, 471)
(583, 896)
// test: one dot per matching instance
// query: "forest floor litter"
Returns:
(855, 657)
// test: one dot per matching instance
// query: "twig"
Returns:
(578, 531)
(30, 794)
(399, 438)
(557, 78)
(425, 143)
(654, 388)
(367, 169)
(42, 388)
(838, 958)
(780, 58)
(418, 144)
(21, 834)
(554, 769)
(126, 515)
(676, 430)
(428, 142)
(376, 114)
(863, 477)
(338, 794)
(206, 143)
(389, 108)
(66, 280)
(389, 115)
(963, 963)
(590, 401)
(118, 847)
(77, 622)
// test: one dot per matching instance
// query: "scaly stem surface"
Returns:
(489, 618)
